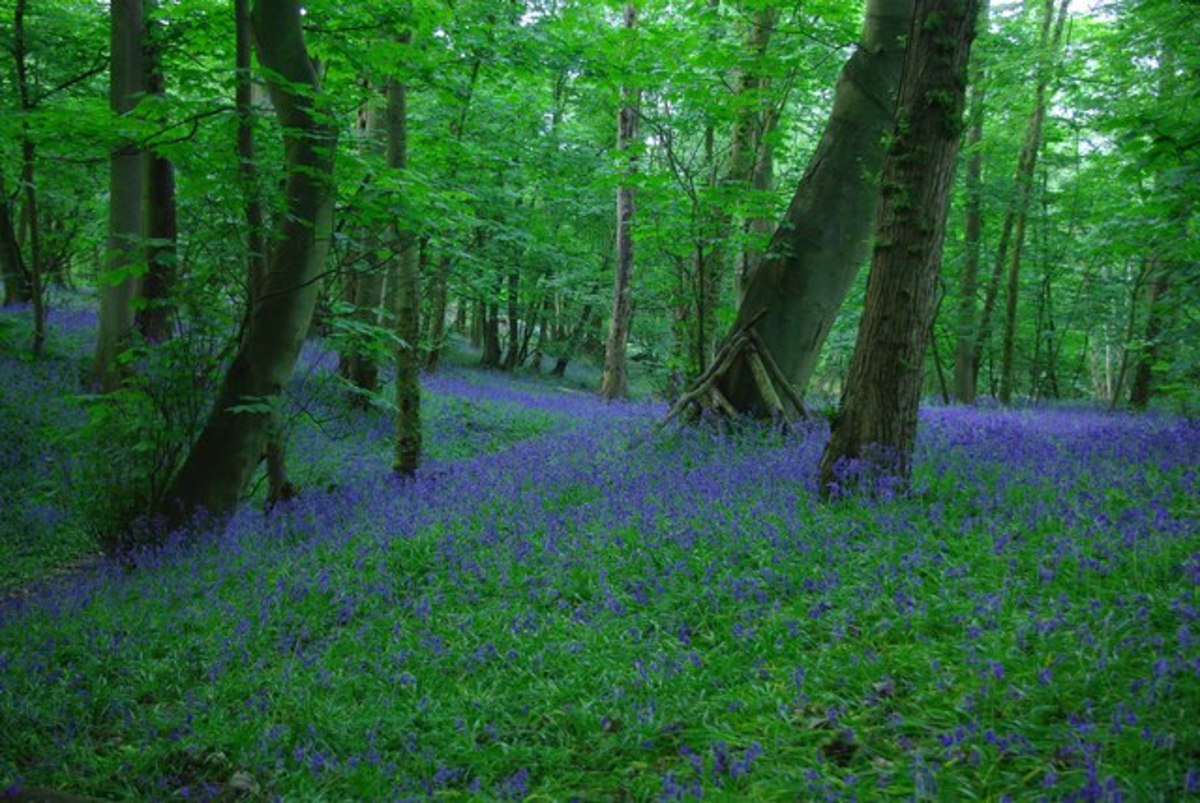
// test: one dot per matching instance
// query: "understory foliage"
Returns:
(556, 606)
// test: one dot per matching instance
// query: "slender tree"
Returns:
(613, 381)
(964, 360)
(408, 286)
(1026, 165)
(223, 459)
(34, 265)
(877, 421)
(1029, 154)
(126, 221)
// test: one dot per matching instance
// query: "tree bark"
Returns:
(119, 280)
(818, 248)
(491, 334)
(613, 380)
(408, 296)
(256, 246)
(875, 428)
(964, 366)
(12, 263)
(153, 318)
(34, 267)
(223, 459)
(514, 310)
(1140, 390)
(279, 488)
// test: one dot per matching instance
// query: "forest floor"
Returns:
(560, 607)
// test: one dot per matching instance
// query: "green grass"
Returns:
(549, 613)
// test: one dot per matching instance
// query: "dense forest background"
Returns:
(513, 166)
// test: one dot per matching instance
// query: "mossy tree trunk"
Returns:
(877, 421)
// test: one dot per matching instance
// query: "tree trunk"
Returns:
(876, 425)
(514, 311)
(437, 314)
(408, 307)
(223, 459)
(613, 381)
(256, 246)
(573, 343)
(363, 289)
(964, 366)
(491, 333)
(1139, 392)
(34, 267)
(279, 488)
(817, 250)
(12, 264)
(153, 318)
(119, 282)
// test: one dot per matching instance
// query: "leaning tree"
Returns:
(224, 457)
(793, 294)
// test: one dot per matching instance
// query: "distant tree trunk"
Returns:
(33, 268)
(964, 365)
(514, 310)
(119, 283)
(1013, 230)
(439, 292)
(478, 323)
(363, 290)
(491, 333)
(408, 296)
(437, 314)
(613, 381)
(223, 459)
(1139, 392)
(1163, 265)
(877, 421)
(817, 250)
(543, 325)
(574, 341)
(153, 318)
(12, 264)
